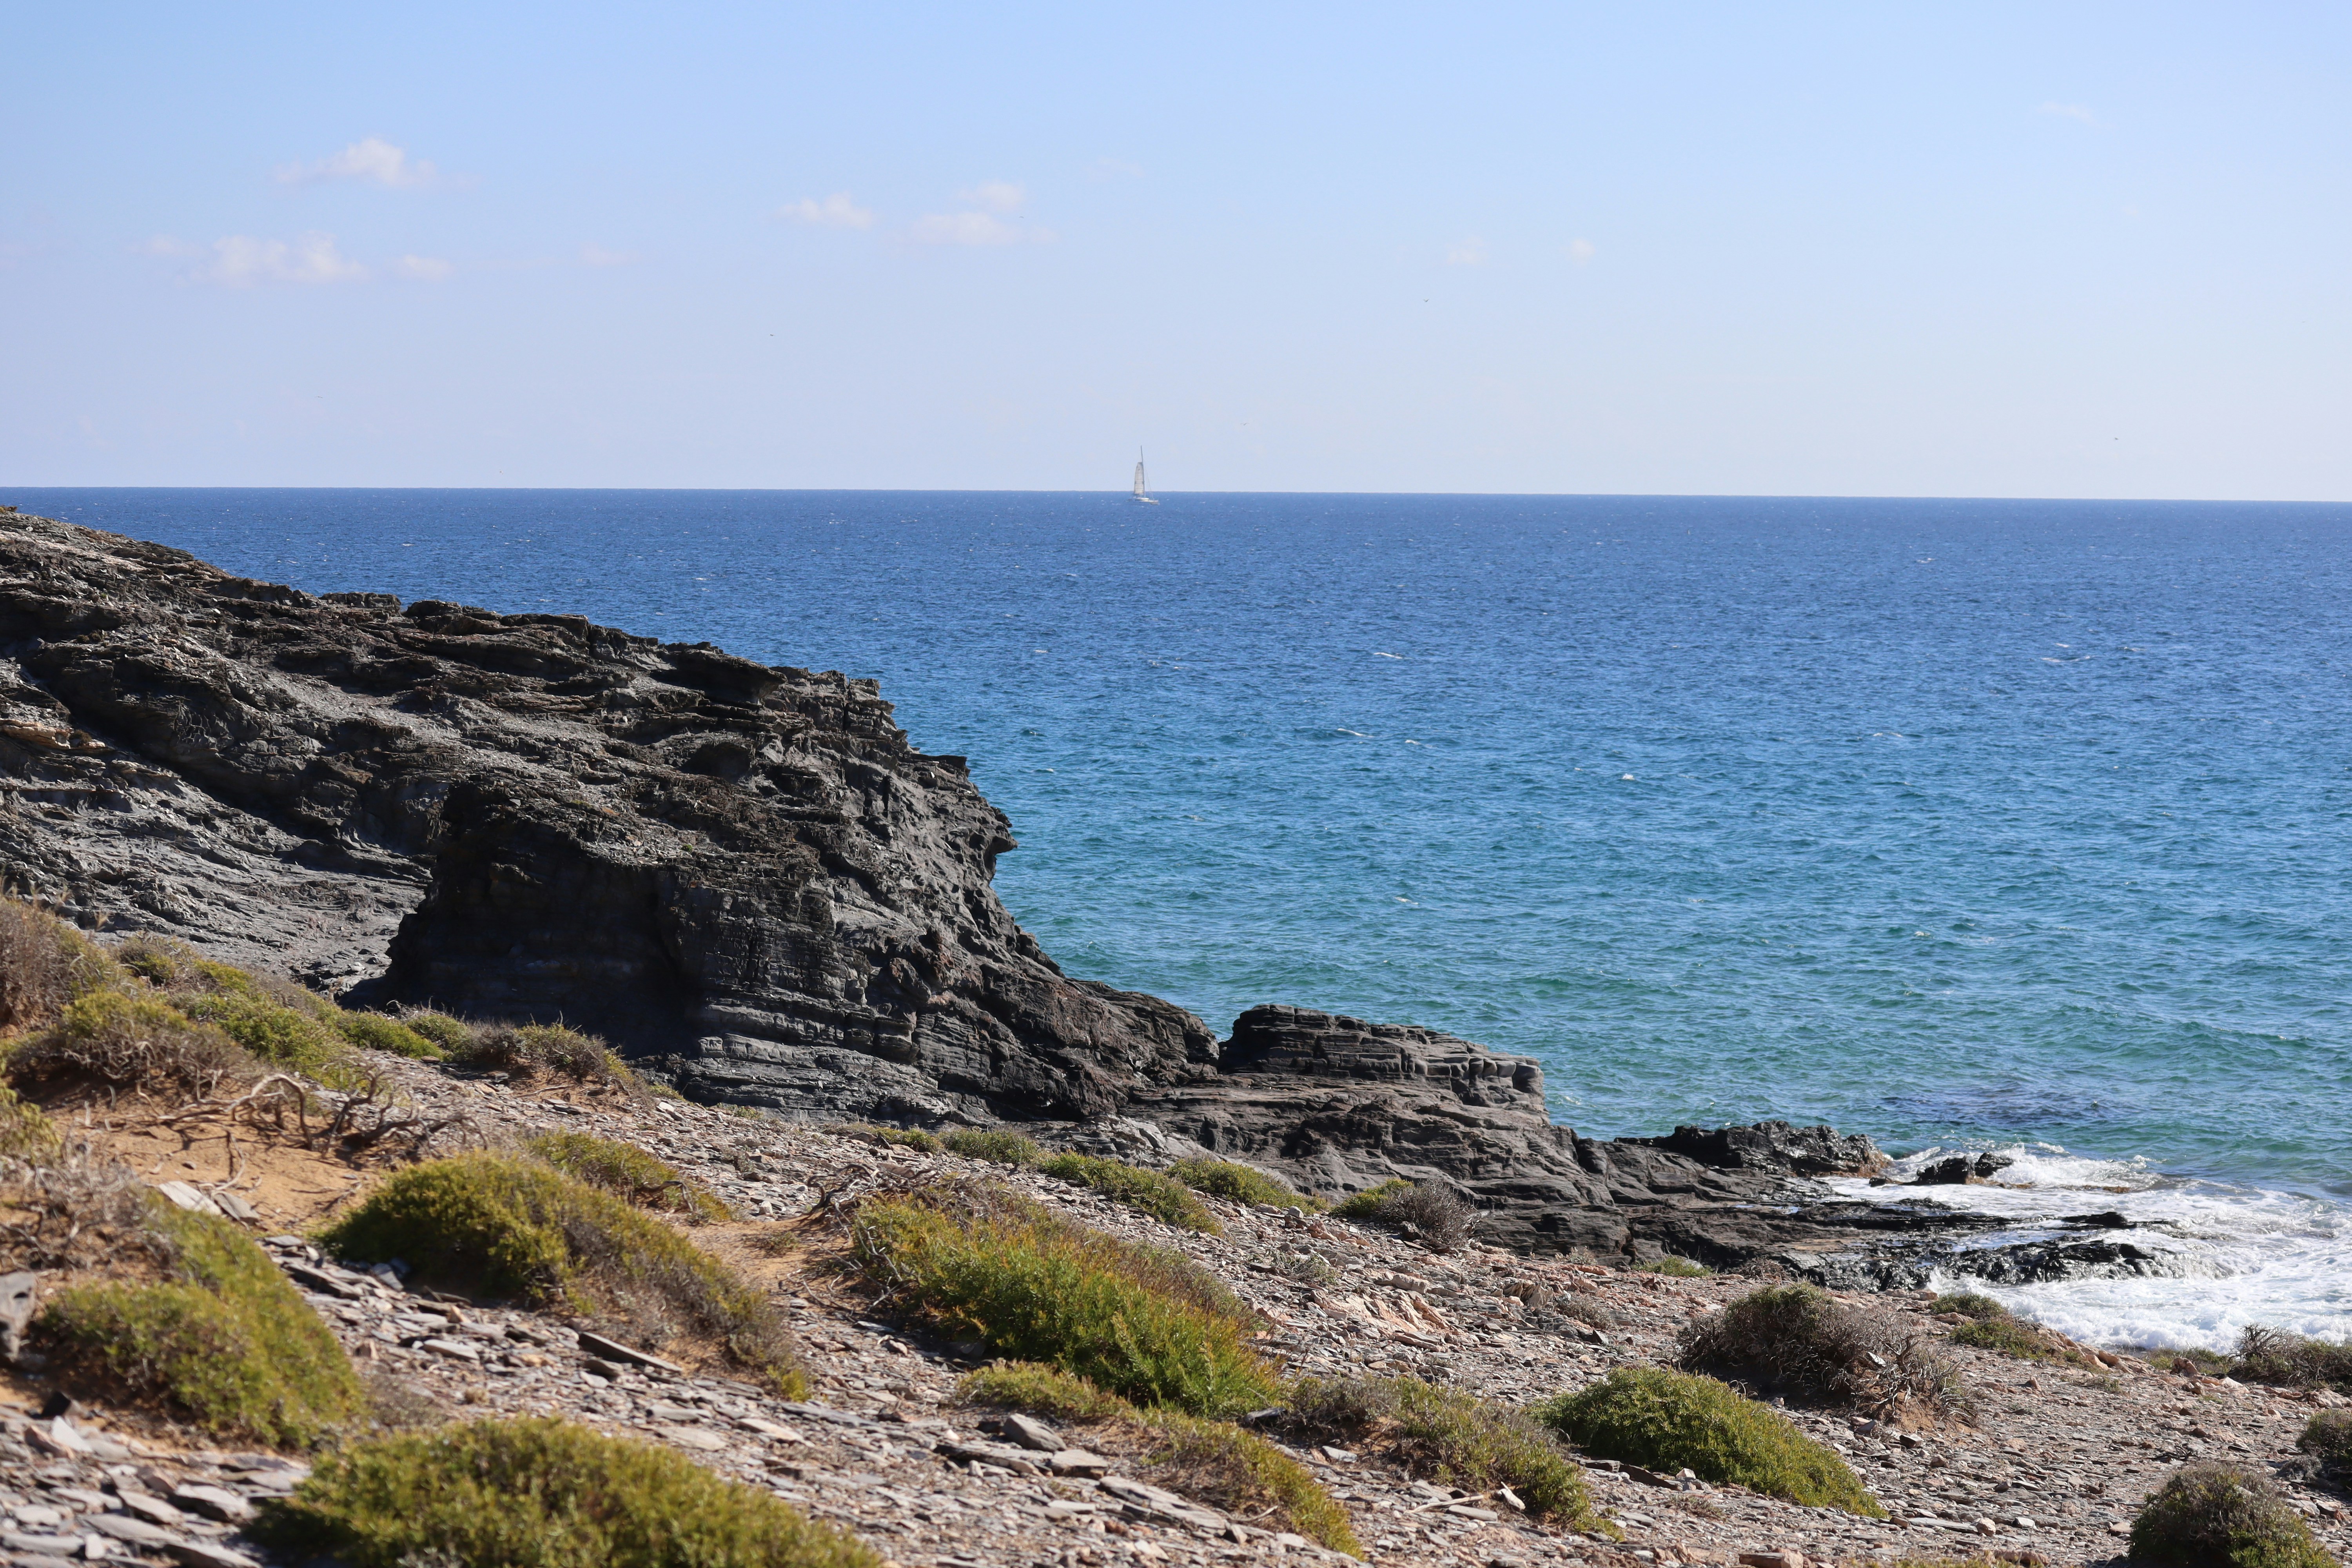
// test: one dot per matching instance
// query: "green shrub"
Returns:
(135, 1043)
(1670, 1420)
(275, 1033)
(2223, 1516)
(2328, 1434)
(1453, 1437)
(998, 1147)
(541, 1493)
(1214, 1461)
(631, 1174)
(46, 964)
(1969, 1304)
(1147, 1192)
(1240, 1183)
(513, 1228)
(901, 1137)
(529, 1051)
(27, 1133)
(1793, 1339)
(1137, 1322)
(2291, 1361)
(1041, 1389)
(453, 1035)
(378, 1033)
(226, 1342)
(1363, 1205)
(1675, 1268)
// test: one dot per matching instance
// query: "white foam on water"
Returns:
(2245, 1254)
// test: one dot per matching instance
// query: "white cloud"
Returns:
(373, 160)
(423, 269)
(240, 261)
(594, 255)
(1470, 252)
(2069, 112)
(836, 211)
(965, 228)
(993, 195)
(167, 245)
(1581, 251)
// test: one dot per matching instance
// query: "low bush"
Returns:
(1449, 1436)
(1240, 1183)
(1431, 1211)
(902, 1137)
(1794, 1340)
(2291, 1361)
(2015, 1337)
(45, 965)
(631, 1174)
(137, 1044)
(531, 1051)
(2328, 1436)
(1968, 1304)
(452, 1035)
(497, 1227)
(1670, 1420)
(997, 1147)
(2223, 1516)
(1675, 1268)
(26, 1135)
(224, 1342)
(541, 1493)
(1214, 1461)
(1148, 1191)
(378, 1033)
(1141, 1323)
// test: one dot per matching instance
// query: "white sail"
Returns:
(1139, 479)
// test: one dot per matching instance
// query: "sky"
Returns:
(1945, 250)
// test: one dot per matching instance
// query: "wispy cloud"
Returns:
(423, 269)
(984, 222)
(995, 196)
(240, 261)
(1581, 251)
(1470, 252)
(373, 161)
(594, 255)
(836, 211)
(965, 228)
(2069, 112)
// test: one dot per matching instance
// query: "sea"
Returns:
(2014, 826)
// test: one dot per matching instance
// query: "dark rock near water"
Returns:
(741, 875)
(1962, 1169)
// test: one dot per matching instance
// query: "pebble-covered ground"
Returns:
(2054, 1468)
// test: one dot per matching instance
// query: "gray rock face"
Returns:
(742, 876)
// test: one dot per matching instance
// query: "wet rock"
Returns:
(1962, 1168)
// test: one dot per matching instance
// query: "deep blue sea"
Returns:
(2018, 824)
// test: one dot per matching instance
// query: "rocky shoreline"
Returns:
(747, 879)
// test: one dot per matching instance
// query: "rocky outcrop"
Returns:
(741, 875)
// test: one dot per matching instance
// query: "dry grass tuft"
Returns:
(1450, 1436)
(1430, 1212)
(1794, 1340)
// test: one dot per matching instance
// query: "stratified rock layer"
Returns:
(744, 874)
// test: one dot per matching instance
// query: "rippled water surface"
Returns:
(1964, 823)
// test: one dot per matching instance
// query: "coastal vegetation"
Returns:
(1449, 1436)
(542, 1493)
(1164, 1198)
(216, 1337)
(1147, 1325)
(888, 1137)
(1993, 1327)
(1240, 1183)
(1671, 1421)
(1429, 1211)
(498, 1227)
(631, 1174)
(996, 1147)
(1215, 1461)
(2223, 1516)
(1794, 1340)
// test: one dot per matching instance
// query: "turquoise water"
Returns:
(1967, 824)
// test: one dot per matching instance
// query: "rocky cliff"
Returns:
(742, 875)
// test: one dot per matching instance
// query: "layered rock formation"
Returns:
(743, 875)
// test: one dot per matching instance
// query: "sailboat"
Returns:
(1141, 494)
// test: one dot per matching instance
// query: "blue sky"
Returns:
(2071, 250)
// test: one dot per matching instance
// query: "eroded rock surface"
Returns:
(743, 875)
